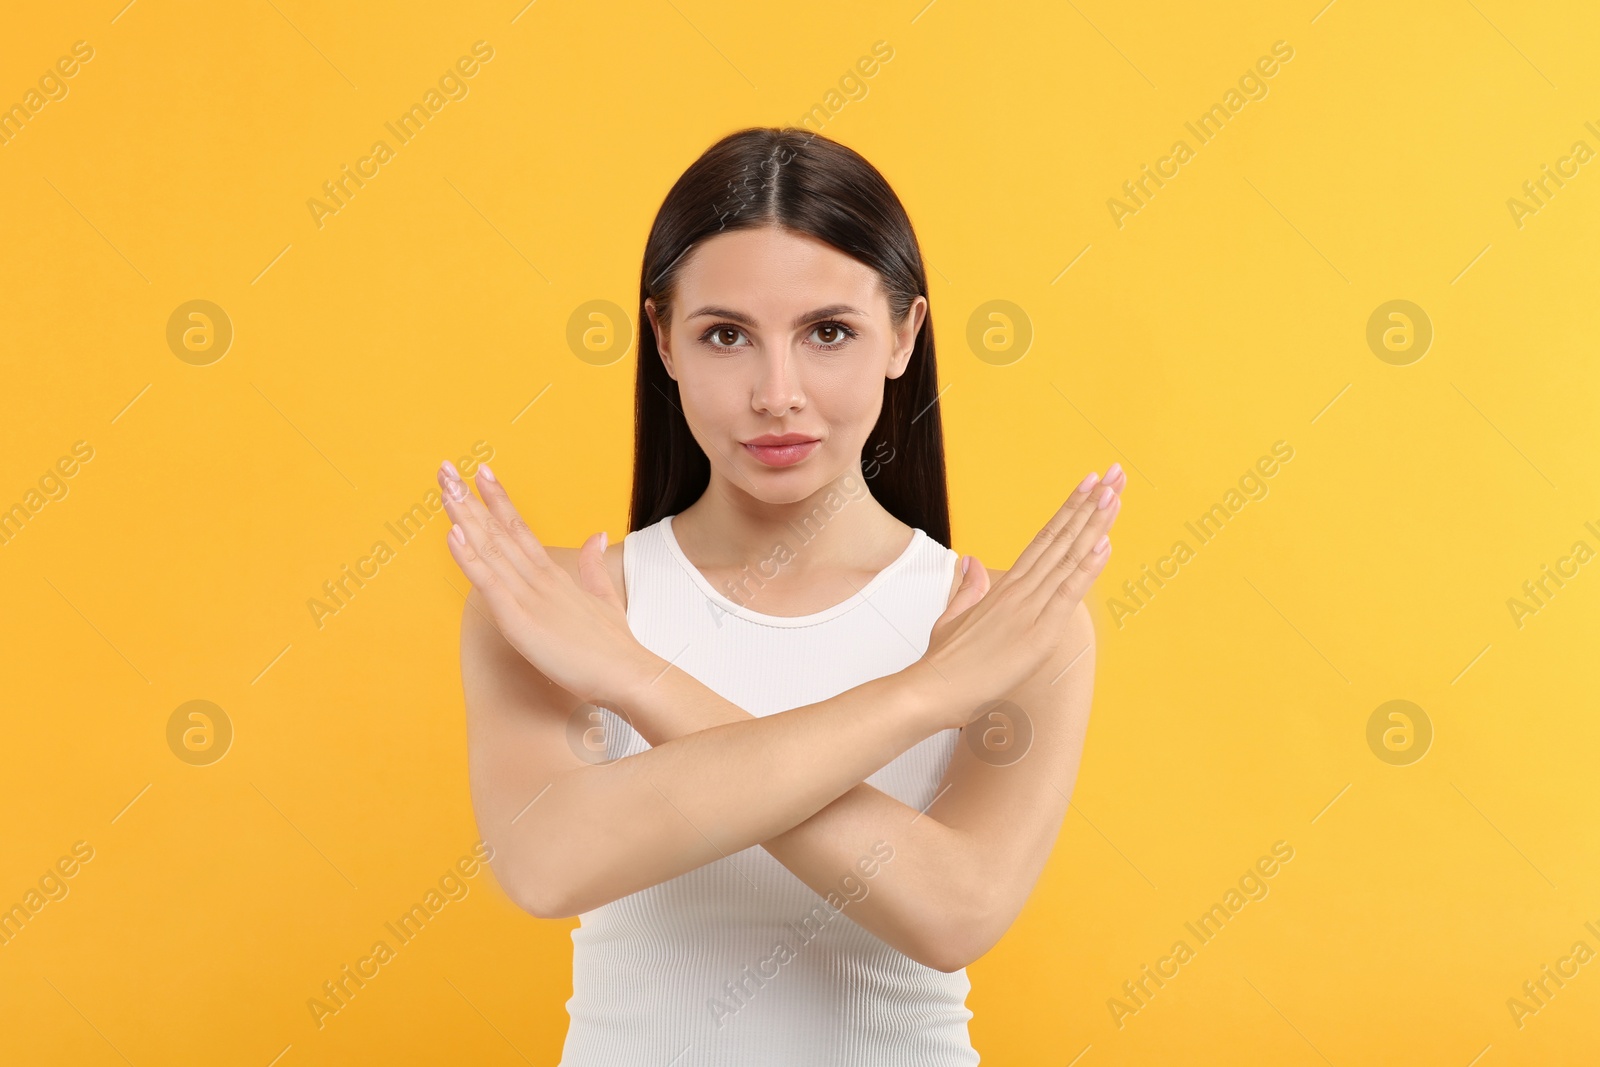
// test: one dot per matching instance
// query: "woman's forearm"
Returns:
(595, 834)
(911, 901)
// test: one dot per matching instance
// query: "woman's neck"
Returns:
(805, 551)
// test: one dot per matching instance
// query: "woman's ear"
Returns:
(905, 338)
(661, 338)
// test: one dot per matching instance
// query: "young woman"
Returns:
(791, 760)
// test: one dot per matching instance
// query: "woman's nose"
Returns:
(777, 391)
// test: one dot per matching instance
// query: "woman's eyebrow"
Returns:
(745, 320)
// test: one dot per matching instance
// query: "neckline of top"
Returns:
(740, 611)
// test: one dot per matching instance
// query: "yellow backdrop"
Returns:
(1321, 277)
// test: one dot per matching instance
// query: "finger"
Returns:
(1064, 558)
(467, 511)
(1052, 529)
(592, 569)
(974, 585)
(502, 600)
(1057, 540)
(526, 551)
(1076, 585)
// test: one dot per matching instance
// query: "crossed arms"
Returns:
(569, 835)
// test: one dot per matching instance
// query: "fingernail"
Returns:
(1083, 486)
(1105, 498)
(455, 490)
(488, 474)
(964, 561)
(602, 532)
(1114, 470)
(1102, 544)
(458, 534)
(450, 471)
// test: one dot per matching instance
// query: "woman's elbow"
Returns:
(949, 955)
(952, 955)
(537, 900)
(555, 891)
(532, 890)
(961, 935)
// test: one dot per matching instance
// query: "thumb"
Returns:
(592, 570)
(974, 584)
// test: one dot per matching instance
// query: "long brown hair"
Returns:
(810, 184)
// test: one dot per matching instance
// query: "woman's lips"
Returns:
(782, 455)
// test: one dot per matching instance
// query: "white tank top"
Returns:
(739, 962)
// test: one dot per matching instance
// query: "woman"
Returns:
(790, 759)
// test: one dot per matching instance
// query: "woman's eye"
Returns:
(833, 334)
(724, 337)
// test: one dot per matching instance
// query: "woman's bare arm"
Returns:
(960, 871)
(765, 776)
(569, 836)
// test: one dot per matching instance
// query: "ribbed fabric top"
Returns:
(739, 962)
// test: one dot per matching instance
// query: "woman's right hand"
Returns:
(575, 632)
(989, 640)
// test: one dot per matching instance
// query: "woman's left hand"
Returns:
(576, 634)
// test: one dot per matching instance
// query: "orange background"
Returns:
(430, 315)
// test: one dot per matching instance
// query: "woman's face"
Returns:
(778, 334)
